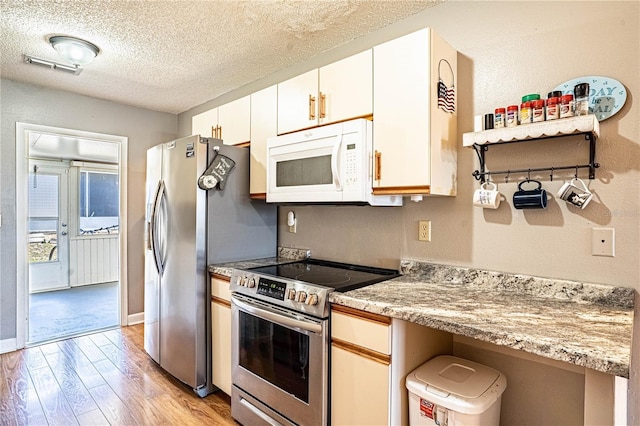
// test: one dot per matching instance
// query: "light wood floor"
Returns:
(99, 379)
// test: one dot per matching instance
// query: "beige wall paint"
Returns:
(506, 50)
(539, 391)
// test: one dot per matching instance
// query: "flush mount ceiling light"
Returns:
(74, 50)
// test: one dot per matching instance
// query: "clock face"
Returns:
(606, 95)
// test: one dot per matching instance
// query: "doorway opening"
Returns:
(71, 269)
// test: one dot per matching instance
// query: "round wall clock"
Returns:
(606, 95)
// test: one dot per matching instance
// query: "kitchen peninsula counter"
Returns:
(585, 324)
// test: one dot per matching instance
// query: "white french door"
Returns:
(48, 244)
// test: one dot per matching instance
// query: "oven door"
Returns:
(280, 359)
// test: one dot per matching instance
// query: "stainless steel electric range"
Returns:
(280, 336)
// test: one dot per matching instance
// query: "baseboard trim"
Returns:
(134, 319)
(8, 345)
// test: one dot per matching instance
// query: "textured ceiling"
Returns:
(173, 55)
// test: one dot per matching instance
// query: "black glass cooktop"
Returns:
(339, 276)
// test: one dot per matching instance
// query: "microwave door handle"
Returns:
(334, 162)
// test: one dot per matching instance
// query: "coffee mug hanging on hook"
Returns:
(446, 94)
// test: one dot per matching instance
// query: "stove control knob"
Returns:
(312, 300)
(302, 296)
(291, 294)
(243, 281)
(251, 283)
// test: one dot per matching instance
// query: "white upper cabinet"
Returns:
(204, 124)
(336, 92)
(346, 89)
(234, 121)
(230, 122)
(415, 139)
(264, 124)
(297, 98)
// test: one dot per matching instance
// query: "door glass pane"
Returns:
(99, 197)
(43, 217)
(277, 354)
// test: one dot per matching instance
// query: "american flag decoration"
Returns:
(446, 95)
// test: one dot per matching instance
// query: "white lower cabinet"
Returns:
(370, 357)
(221, 334)
(359, 388)
(360, 367)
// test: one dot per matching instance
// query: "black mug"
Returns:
(530, 199)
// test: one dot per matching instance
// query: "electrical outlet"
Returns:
(424, 230)
(603, 242)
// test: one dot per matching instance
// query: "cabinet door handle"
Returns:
(214, 131)
(312, 107)
(378, 165)
(219, 132)
(323, 105)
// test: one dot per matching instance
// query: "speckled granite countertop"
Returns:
(585, 324)
(580, 323)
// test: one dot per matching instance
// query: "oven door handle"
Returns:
(280, 318)
(255, 410)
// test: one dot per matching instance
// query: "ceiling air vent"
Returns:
(72, 69)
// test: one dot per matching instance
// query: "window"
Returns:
(43, 217)
(98, 202)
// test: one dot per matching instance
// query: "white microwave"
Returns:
(329, 164)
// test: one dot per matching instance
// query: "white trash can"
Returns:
(450, 391)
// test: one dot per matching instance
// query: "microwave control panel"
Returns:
(351, 164)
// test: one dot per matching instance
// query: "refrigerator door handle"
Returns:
(155, 241)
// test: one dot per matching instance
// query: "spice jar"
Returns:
(530, 97)
(499, 118)
(553, 109)
(566, 106)
(581, 104)
(512, 115)
(525, 112)
(537, 111)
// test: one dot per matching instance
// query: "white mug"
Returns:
(575, 193)
(485, 197)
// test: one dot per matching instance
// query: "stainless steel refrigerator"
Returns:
(188, 228)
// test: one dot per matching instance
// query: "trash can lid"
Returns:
(457, 376)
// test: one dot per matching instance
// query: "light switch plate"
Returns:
(603, 242)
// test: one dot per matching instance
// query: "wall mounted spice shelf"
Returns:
(586, 125)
